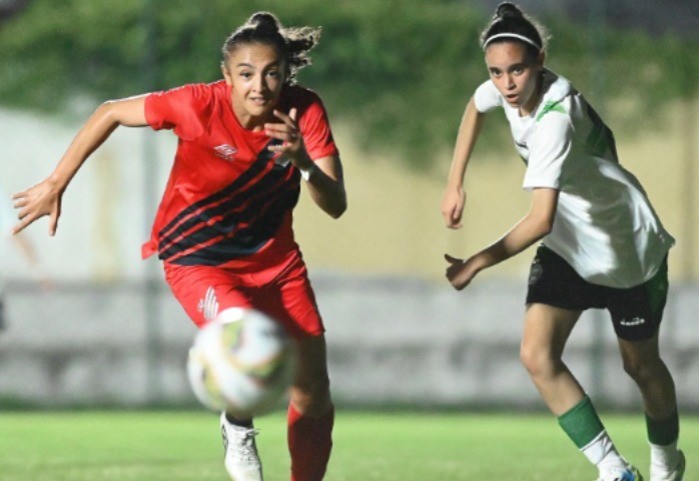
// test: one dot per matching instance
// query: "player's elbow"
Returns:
(539, 226)
(129, 112)
(108, 107)
(108, 111)
(543, 226)
(338, 208)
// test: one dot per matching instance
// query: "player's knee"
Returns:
(530, 360)
(311, 398)
(641, 369)
(537, 362)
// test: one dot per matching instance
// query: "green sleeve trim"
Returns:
(551, 106)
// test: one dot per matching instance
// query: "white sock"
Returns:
(664, 458)
(602, 453)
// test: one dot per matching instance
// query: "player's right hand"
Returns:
(453, 207)
(460, 272)
(39, 200)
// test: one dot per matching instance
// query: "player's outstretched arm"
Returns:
(44, 198)
(533, 227)
(454, 196)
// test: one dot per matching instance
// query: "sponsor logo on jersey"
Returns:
(225, 151)
(635, 321)
(208, 305)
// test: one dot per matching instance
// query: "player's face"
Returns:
(514, 74)
(256, 73)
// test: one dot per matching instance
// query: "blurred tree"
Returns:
(400, 71)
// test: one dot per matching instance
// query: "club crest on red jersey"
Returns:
(225, 151)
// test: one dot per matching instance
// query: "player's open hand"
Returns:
(453, 207)
(288, 132)
(460, 272)
(42, 199)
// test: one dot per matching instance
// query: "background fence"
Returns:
(392, 342)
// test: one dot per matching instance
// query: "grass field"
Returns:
(179, 446)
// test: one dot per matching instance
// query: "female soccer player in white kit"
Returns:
(602, 244)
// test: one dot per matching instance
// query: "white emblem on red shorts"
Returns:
(208, 306)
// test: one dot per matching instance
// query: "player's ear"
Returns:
(540, 59)
(226, 73)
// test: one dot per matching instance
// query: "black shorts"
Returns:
(636, 312)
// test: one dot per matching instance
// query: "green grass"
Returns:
(174, 446)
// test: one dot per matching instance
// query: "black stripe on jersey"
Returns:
(246, 223)
(249, 215)
(166, 235)
(228, 209)
(246, 241)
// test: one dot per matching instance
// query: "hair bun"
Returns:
(507, 9)
(265, 21)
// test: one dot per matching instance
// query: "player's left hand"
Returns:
(460, 272)
(288, 131)
(39, 200)
(453, 207)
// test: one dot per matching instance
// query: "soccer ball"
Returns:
(241, 363)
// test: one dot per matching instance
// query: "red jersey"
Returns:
(228, 200)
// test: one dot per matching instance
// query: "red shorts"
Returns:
(282, 291)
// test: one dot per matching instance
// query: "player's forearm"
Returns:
(95, 131)
(469, 130)
(328, 194)
(325, 183)
(522, 236)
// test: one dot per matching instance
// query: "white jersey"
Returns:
(605, 226)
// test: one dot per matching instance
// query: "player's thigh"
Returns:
(290, 300)
(204, 291)
(546, 331)
(637, 312)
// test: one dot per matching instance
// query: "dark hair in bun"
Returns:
(506, 9)
(293, 43)
(509, 24)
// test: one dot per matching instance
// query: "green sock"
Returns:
(581, 423)
(662, 433)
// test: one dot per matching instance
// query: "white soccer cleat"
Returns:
(628, 474)
(675, 475)
(240, 452)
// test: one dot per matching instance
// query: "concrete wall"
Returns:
(391, 341)
(99, 336)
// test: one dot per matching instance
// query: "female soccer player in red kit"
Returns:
(224, 226)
